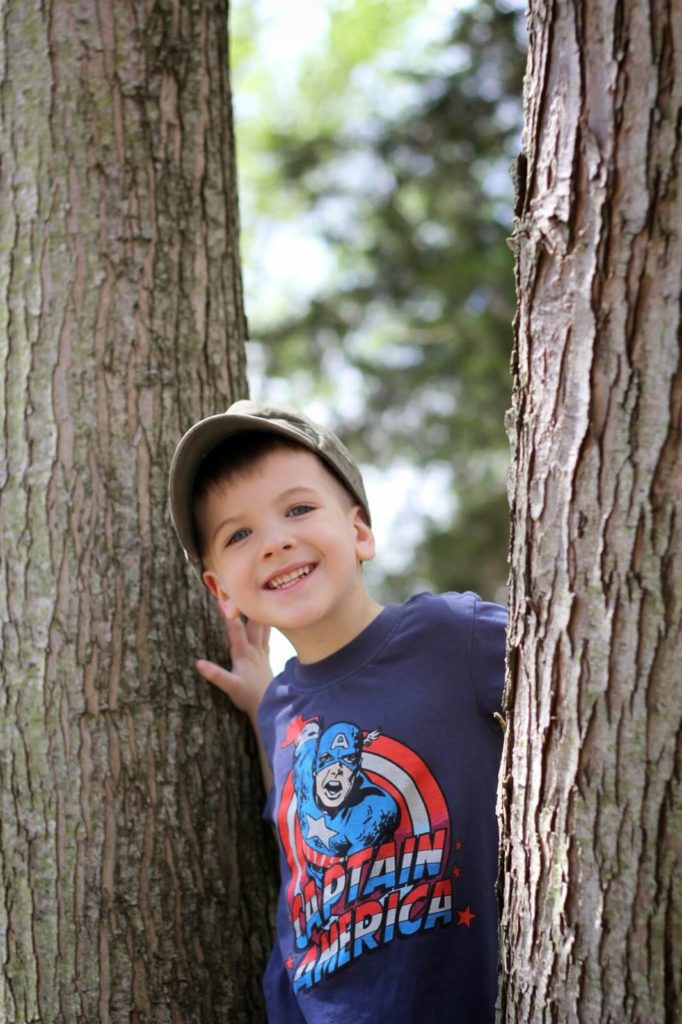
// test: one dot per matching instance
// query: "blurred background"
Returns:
(375, 140)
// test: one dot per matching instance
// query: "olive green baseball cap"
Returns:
(243, 416)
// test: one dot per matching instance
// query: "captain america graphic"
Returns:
(340, 809)
(366, 835)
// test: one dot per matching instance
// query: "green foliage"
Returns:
(358, 32)
(412, 194)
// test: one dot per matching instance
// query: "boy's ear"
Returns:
(214, 585)
(365, 546)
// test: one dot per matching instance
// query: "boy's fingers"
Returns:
(228, 610)
(258, 633)
(237, 636)
(220, 677)
(241, 635)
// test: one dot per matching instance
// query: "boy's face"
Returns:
(283, 543)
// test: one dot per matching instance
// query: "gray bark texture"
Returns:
(591, 812)
(136, 880)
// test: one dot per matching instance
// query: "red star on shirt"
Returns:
(294, 729)
(466, 917)
(289, 963)
(457, 872)
(458, 844)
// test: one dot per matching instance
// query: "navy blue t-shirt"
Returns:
(385, 758)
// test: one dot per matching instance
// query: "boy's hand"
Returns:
(246, 683)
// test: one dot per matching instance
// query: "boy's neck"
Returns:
(321, 643)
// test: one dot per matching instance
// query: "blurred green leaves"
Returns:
(388, 149)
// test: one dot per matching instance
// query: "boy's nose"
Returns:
(275, 544)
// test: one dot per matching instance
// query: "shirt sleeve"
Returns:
(488, 646)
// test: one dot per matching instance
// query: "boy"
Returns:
(378, 742)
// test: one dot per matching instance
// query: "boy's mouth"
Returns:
(287, 579)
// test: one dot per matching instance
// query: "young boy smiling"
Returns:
(288, 554)
(378, 743)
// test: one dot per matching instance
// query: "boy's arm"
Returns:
(248, 680)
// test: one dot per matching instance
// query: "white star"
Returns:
(318, 829)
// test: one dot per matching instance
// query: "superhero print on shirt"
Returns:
(366, 833)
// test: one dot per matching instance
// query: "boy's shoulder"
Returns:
(456, 614)
(426, 605)
(450, 626)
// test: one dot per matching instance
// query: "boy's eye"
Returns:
(299, 510)
(238, 535)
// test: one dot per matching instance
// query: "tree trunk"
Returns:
(135, 878)
(591, 810)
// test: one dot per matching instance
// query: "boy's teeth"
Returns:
(288, 577)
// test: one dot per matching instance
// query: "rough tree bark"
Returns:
(591, 809)
(135, 879)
